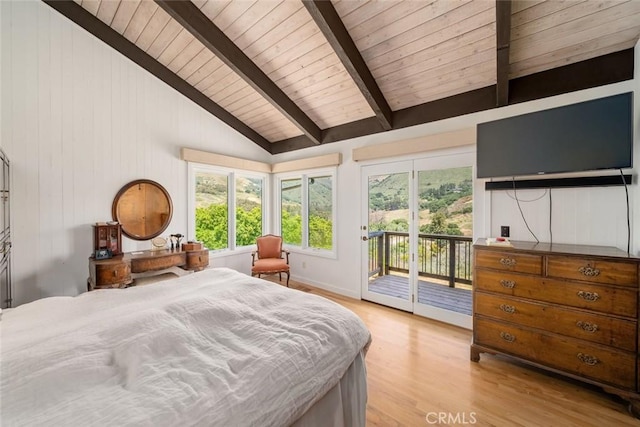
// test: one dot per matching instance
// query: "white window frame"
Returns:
(304, 177)
(193, 169)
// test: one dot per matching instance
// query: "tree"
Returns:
(291, 228)
(439, 225)
(248, 226)
(212, 226)
(320, 232)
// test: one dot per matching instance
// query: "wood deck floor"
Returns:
(429, 293)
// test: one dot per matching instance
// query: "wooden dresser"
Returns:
(571, 309)
(120, 271)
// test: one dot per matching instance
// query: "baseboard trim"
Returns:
(327, 287)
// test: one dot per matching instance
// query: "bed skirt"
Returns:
(345, 404)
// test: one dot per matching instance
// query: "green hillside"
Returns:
(320, 195)
(445, 196)
(390, 184)
(212, 189)
(442, 187)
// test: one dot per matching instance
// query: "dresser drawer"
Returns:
(584, 325)
(602, 298)
(593, 270)
(142, 265)
(510, 261)
(610, 366)
(505, 282)
(197, 260)
(112, 275)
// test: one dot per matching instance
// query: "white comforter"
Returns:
(212, 348)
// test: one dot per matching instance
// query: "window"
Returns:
(291, 211)
(227, 208)
(307, 210)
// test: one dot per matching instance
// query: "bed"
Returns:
(212, 348)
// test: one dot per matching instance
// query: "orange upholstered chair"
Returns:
(269, 257)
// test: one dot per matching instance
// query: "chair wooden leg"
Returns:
(287, 278)
(280, 276)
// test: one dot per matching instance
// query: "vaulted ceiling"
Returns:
(292, 74)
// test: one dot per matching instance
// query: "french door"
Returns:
(416, 233)
(387, 202)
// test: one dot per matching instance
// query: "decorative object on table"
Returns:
(192, 246)
(103, 254)
(144, 209)
(158, 243)
(175, 240)
(107, 235)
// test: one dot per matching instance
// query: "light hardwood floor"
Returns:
(418, 367)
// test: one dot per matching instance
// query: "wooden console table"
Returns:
(120, 271)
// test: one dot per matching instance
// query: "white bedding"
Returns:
(212, 348)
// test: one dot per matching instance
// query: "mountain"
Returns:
(393, 184)
(211, 188)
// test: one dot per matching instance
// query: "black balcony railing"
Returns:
(439, 256)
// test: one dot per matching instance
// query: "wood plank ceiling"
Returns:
(290, 74)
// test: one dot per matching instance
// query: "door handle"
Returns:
(365, 238)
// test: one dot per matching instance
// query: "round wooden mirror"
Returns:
(143, 208)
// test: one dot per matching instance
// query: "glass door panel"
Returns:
(385, 234)
(444, 235)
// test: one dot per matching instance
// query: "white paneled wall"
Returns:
(79, 121)
(591, 216)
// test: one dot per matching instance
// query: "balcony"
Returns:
(444, 268)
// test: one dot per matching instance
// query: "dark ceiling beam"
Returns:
(197, 23)
(349, 130)
(607, 69)
(602, 70)
(503, 39)
(452, 106)
(99, 29)
(329, 22)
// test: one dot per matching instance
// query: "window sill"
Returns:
(312, 252)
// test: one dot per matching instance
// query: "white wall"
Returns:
(78, 122)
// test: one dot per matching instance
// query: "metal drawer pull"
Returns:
(507, 308)
(589, 271)
(509, 284)
(588, 296)
(588, 359)
(586, 326)
(507, 336)
(508, 262)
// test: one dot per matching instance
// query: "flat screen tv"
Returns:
(591, 135)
